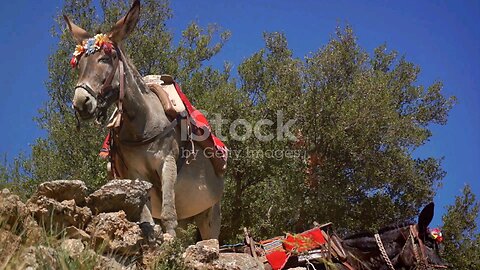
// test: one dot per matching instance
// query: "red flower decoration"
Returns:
(107, 47)
(436, 235)
(73, 62)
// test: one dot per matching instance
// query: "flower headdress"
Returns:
(436, 235)
(90, 46)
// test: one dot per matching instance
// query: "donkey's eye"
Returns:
(104, 60)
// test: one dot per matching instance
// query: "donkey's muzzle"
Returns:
(84, 103)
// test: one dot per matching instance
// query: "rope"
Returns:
(383, 252)
(310, 264)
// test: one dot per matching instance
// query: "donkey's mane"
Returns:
(380, 231)
(130, 68)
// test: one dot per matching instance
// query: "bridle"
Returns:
(106, 91)
(421, 261)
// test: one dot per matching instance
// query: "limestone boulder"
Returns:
(15, 217)
(61, 190)
(237, 261)
(9, 244)
(38, 257)
(59, 215)
(203, 252)
(126, 195)
(72, 232)
(205, 255)
(73, 247)
(114, 233)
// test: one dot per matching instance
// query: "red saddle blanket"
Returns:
(198, 121)
(201, 123)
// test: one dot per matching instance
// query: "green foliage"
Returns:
(462, 238)
(357, 120)
(171, 256)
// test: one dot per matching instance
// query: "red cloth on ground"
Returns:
(276, 255)
(305, 241)
(277, 259)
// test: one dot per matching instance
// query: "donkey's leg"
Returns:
(169, 177)
(147, 223)
(208, 222)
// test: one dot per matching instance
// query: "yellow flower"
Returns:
(101, 39)
(79, 49)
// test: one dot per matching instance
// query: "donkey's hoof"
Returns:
(148, 232)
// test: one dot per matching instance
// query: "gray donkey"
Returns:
(147, 144)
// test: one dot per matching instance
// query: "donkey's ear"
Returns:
(126, 24)
(77, 32)
(425, 217)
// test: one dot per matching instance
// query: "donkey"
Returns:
(397, 247)
(147, 144)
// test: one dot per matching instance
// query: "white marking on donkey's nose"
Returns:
(84, 101)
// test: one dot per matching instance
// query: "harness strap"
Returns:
(121, 94)
(383, 252)
(88, 89)
(162, 134)
(348, 266)
(108, 82)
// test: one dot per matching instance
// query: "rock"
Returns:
(115, 233)
(76, 233)
(150, 256)
(202, 255)
(58, 215)
(73, 247)
(202, 252)
(28, 259)
(9, 244)
(12, 209)
(39, 257)
(62, 190)
(103, 262)
(15, 216)
(205, 255)
(127, 195)
(240, 261)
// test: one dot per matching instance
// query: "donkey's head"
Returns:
(420, 249)
(98, 60)
(400, 247)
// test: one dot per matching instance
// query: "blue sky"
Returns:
(442, 37)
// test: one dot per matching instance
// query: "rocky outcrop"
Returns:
(73, 247)
(115, 233)
(59, 215)
(7, 250)
(63, 190)
(15, 216)
(205, 255)
(102, 228)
